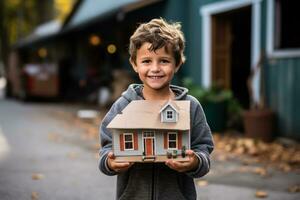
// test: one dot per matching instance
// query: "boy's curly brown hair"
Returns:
(159, 33)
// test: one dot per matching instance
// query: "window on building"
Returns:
(172, 140)
(128, 140)
(170, 114)
(287, 29)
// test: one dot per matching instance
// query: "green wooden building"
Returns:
(227, 38)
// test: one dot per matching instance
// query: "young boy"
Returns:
(156, 54)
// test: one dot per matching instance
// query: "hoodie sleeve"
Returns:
(106, 135)
(201, 139)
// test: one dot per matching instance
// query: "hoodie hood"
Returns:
(134, 92)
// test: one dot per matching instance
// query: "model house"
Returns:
(151, 131)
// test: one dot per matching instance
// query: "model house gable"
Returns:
(169, 113)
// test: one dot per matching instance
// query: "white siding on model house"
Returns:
(186, 139)
(159, 139)
(159, 142)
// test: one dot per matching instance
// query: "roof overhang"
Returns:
(84, 13)
(44, 31)
(89, 11)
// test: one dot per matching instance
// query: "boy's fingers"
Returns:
(111, 155)
(190, 153)
(181, 165)
(117, 166)
(120, 167)
(178, 166)
(169, 164)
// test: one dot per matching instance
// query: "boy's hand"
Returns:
(117, 166)
(184, 166)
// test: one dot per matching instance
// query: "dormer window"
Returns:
(170, 114)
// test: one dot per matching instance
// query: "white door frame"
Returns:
(207, 11)
(271, 51)
(153, 140)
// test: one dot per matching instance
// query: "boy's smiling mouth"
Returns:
(155, 77)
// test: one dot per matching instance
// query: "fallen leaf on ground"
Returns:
(240, 150)
(261, 171)
(276, 154)
(72, 155)
(249, 161)
(285, 167)
(96, 146)
(37, 176)
(202, 183)
(34, 196)
(294, 188)
(97, 156)
(261, 194)
(54, 137)
(222, 158)
(244, 169)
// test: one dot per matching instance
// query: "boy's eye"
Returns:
(146, 61)
(165, 61)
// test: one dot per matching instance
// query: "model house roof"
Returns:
(145, 114)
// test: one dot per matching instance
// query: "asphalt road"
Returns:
(44, 156)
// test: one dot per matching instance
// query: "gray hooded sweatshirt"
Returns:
(156, 180)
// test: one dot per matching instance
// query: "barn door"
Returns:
(221, 51)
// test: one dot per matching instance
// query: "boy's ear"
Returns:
(133, 65)
(178, 67)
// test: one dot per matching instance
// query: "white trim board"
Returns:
(271, 51)
(220, 7)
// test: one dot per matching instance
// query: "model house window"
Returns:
(170, 114)
(286, 24)
(172, 140)
(128, 140)
(148, 134)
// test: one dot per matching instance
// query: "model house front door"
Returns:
(149, 146)
(149, 143)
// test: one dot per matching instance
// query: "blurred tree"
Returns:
(63, 8)
(3, 42)
(18, 18)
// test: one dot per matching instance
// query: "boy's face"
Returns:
(155, 69)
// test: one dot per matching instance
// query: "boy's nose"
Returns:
(155, 67)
